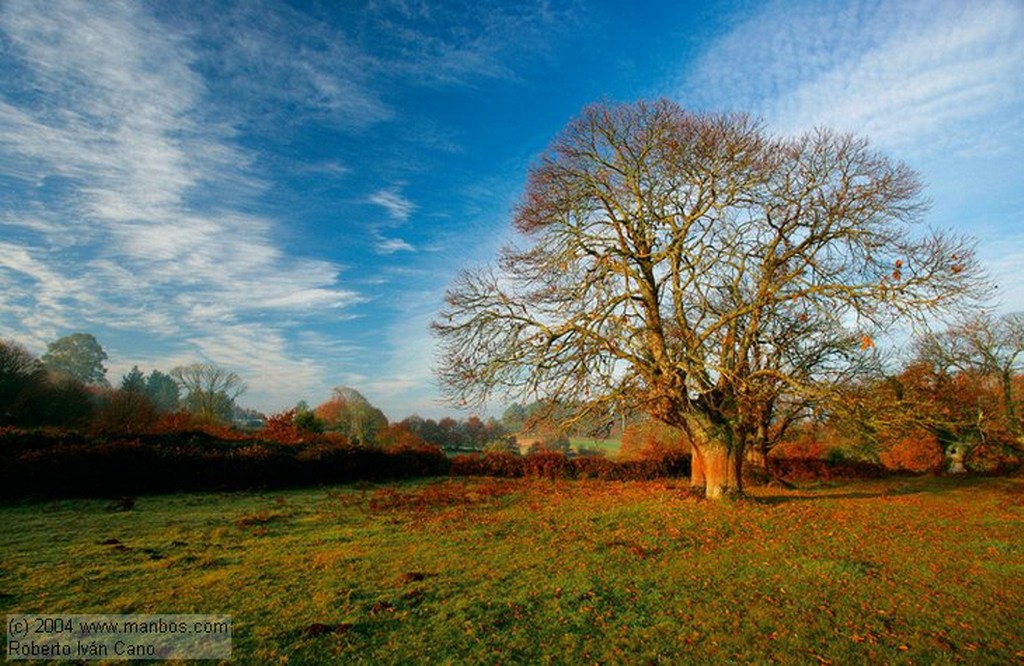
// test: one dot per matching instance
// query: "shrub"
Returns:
(548, 465)
(916, 451)
(557, 466)
(806, 469)
(125, 412)
(595, 467)
(282, 428)
(993, 459)
(653, 440)
(493, 463)
(803, 448)
(54, 464)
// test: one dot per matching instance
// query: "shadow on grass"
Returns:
(892, 487)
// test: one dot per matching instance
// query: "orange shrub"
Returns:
(174, 422)
(651, 439)
(125, 412)
(281, 428)
(800, 448)
(398, 436)
(915, 451)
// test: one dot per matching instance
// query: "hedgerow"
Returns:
(546, 464)
(56, 464)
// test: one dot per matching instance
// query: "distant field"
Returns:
(609, 446)
(908, 570)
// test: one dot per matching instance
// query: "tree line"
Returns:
(67, 387)
(961, 387)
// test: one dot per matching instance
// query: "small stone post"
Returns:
(956, 454)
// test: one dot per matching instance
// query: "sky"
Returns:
(287, 188)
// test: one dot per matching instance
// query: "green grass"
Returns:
(486, 571)
(609, 446)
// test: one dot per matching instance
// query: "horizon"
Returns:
(286, 189)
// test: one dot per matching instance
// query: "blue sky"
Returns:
(286, 188)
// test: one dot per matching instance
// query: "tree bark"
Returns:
(718, 472)
(716, 465)
(697, 478)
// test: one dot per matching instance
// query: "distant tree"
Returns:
(514, 417)
(452, 436)
(349, 412)
(210, 391)
(163, 391)
(307, 421)
(473, 432)
(493, 430)
(78, 356)
(126, 411)
(248, 418)
(134, 381)
(58, 400)
(399, 436)
(426, 429)
(668, 260)
(989, 348)
(20, 372)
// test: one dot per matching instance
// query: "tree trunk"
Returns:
(716, 466)
(697, 479)
(1006, 379)
(717, 453)
(719, 472)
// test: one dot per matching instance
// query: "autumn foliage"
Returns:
(650, 439)
(916, 451)
(552, 465)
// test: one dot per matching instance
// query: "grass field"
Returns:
(609, 446)
(908, 570)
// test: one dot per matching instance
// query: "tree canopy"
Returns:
(351, 414)
(20, 371)
(78, 356)
(696, 268)
(210, 390)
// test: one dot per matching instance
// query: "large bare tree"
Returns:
(210, 390)
(694, 267)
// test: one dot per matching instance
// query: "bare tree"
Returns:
(988, 347)
(20, 371)
(693, 267)
(210, 390)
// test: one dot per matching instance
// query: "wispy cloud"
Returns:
(912, 76)
(398, 207)
(119, 161)
(281, 66)
(460, 42)
(938, 83)
(392, 245)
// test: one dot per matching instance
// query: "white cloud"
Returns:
(912, 76)
(280, 63)
(938, 83)
(392, 245)
(398, 207)
(104, 101)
